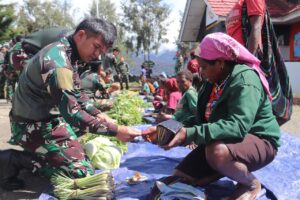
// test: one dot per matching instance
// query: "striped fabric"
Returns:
(272, 64)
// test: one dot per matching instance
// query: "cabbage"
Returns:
(103, 153)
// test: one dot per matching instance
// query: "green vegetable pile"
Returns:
(90, 136)
(98, 186)
(103, 153)
(127, 109)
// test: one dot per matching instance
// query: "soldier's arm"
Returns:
(63, 93)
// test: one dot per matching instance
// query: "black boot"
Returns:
(12, 161)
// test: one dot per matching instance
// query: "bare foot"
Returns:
(244, 192)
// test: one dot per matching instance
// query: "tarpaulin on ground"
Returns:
(282, 176)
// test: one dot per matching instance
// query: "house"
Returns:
(205, 16)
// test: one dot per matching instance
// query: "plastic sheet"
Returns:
(282, 176)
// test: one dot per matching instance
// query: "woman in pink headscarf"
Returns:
(234, 128)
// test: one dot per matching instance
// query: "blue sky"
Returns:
(82, 6)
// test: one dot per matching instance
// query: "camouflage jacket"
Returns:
(51, 79)
(91, 82)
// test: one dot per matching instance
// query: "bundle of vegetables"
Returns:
(127, 109)
(99, 186)
(103, 153)
(90, 136)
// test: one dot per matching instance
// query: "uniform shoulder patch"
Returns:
(64, 78)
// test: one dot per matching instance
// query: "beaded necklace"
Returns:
(220, 86)
(214, 97)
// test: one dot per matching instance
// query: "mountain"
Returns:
(164, 62)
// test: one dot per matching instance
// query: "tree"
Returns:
(35, 15)
(106, 9)
(145, 25)
(7, 18)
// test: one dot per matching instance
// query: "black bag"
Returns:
(167, 130)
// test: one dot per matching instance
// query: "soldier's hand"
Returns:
(104, 118)
(127, 134)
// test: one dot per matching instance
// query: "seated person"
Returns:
(91, 81)
(235, 128)
(159, 95)
(148, 88)
(173, 95)
(187, 105)
(95, 87)
(108, 79)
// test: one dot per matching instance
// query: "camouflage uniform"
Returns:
(109, 62)
(96, 90)
(122, 71)
(11, 72)
(51, 79)
(2, 78)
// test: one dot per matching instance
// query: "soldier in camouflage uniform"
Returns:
(51, 79)
(13, 67)
(3, 52)
(111, 60)
(95, 87)
(122, 72)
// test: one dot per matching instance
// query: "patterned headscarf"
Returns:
(221, 46)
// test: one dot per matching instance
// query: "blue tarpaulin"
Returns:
(282, 176)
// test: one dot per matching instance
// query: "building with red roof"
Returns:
(205, 16)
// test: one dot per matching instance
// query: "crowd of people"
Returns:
(222, 98)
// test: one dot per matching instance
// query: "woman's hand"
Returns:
(179, 139)
(162, 117)
(150, 134)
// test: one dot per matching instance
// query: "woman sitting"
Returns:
(187, 105)
(173, 95)
(235, 128)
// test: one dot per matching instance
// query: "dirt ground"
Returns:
(36, 185)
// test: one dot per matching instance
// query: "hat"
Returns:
(163, 74)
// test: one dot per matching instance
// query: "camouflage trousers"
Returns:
(2, 85)
(10, 88)
(55, 143)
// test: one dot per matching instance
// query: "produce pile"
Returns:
(104, 152)
(99, 186)
(127, 109)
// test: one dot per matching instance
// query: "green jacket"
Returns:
(187, 105)
(243, 108)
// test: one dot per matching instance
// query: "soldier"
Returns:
(179, 62)
(13, 66)
(122, 72)
(51, 79)
(91, 80)
(3, 52)
(110, 60)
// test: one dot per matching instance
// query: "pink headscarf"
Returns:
(221, 46)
